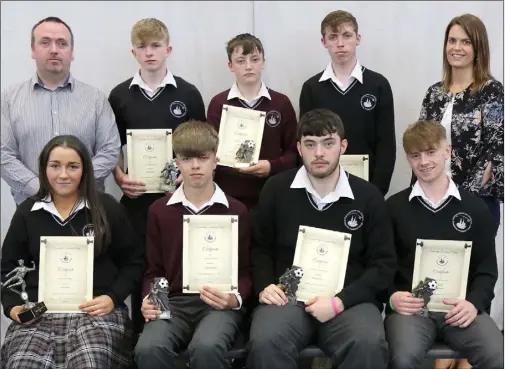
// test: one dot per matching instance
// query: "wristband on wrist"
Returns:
(391, 303)
(334, 305)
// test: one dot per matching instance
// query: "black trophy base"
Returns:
(424, 312)
(31, 314)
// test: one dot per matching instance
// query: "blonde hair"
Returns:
(423, 135)
(476, 31)
(148, 30)
(335, 19)
(193, 138)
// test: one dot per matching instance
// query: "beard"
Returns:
(322, 174)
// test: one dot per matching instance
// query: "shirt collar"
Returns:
(452, 190)
(168, 80)
(217, 197)
(36, 81)
(235, 93)
(342, 189)
(48, 205)
(328, 73)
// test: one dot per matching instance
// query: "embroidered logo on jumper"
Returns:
(210, 237)
(178, 109)
(462, 222)
(88, 230)
(273, 118)
(354, 220)
(368, 101)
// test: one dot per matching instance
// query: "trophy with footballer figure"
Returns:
(31, 310)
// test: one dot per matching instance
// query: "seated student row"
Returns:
(348, 327)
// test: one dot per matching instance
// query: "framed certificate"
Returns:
(66, 273)
(447, 262)
(210, 253)
(149, 151)
(322, 254)
(240, 136)
(356, 165)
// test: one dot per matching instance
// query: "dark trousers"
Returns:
(207, 333)
(137, 213)
(353, 339)
(410, 337)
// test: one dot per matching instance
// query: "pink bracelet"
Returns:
(334, 305)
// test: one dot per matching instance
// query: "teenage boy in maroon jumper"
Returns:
(246, 59)
(206, 323)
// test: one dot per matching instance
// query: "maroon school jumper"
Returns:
(278, 145)
(164, 243)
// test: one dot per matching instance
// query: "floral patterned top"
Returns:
(476, 134)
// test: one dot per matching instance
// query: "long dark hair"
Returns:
(477, 33)
(87, 190)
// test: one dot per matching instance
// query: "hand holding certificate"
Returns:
(447, 263)
(66, 273)
(150, 159)
(240, 136)
(210, 253)
(322, 255)
(289, 281)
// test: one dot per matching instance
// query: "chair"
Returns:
(238, 351)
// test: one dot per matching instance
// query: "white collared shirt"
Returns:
(446, 123)
(48, 205)
(217, 197)
(235, 93)
(356, 74)
(452, 190)
(168, 80)
(342, 189)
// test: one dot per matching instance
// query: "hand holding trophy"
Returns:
(424, 290)
(159, 297)
(31, 310)
(288, 283)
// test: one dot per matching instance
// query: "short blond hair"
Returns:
(423, 135)
(194, 138)
(148, 30)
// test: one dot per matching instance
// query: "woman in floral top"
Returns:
(469, 103)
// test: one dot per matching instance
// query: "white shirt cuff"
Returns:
(239, 299)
